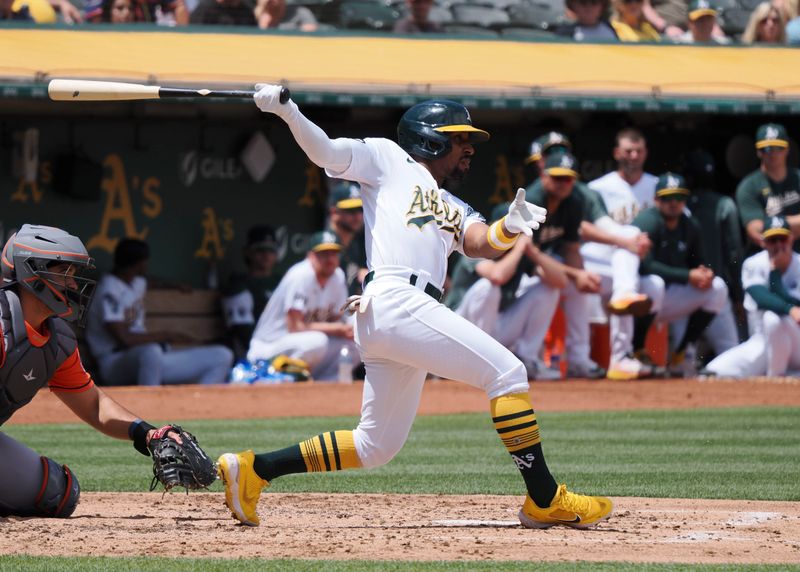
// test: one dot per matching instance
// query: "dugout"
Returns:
(191, 176)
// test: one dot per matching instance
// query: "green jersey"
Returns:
(721, 235)
(758, 196)
(465, 275)
(675, 252)
(593, 205)
(561, 225)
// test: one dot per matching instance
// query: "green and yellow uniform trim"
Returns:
(332, 451)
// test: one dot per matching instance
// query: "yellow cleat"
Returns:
(569, 509)
(242, 485)
(632, 305)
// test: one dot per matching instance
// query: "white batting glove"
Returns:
(267, 98)
(523, 216)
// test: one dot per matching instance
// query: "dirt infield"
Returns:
(414, 527)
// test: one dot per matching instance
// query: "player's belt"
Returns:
(430, 289)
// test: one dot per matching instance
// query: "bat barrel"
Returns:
(88, 90)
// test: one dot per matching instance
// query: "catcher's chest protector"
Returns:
(24, 368)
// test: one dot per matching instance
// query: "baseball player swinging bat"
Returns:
(88, 90)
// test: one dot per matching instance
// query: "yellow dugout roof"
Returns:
(344, 63)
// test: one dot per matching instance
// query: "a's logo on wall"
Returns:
(194, 165)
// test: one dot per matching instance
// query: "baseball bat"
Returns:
(88, 90)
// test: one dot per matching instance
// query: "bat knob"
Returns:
(285, 95)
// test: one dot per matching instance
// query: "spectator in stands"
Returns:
(276, 14)
(303, 318)
(766, 26)
(7, 12)
(781, 183)
(793, 32)
(346, 220)
(630, 24)
(245, 295)
(666, 16)
(417, 20)
(125, 351)
(702, 20)
(161, 12)
(487, 293)
(224, 13)
(591, 21)
(788, 8)
(117, 11)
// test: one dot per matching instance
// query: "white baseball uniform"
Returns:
(403, 333)
(300, 290)
(117, 301)
(617, 267)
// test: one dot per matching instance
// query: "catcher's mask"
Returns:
(424, 130)
(29, 259)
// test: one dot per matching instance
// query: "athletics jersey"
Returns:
(623, 200)
(756, 270)
(409, 221)
(115, 301)
(300, 290)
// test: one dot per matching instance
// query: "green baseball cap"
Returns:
(670, 184)
(771, 135)
(700, 8)
(775, 226)
(547, 143)
(345, 195)
(561, 164)
(324, 240)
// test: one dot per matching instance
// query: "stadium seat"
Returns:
(461, 29)
(367, 16)
(517, 33)
(749, 5)
(475, 15)
(734, 21)
(439, 13)
(541, 15)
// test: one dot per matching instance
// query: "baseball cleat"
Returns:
(242, 485)
(566, 508)
(587, 370)
(628, 368)
(633, 305)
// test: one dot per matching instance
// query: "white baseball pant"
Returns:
(403, 334)
(682, 299)
(782, 335)
(522, 326)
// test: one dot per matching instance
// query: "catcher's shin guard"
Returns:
(59, 494)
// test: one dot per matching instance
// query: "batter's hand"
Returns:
(523, 216)
(267, 98)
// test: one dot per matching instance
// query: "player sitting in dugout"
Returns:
(125, 351)
(43, 289)
(303, 319)
(676, 265)
(771, 279)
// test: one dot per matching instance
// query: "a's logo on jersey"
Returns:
(428, 206)
(681, 246)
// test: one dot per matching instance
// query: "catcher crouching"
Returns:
(43, 288)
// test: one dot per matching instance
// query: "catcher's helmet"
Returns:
(424, 130)
(27, 258)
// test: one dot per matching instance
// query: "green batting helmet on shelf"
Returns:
(424, 130)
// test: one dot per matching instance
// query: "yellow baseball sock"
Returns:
(332, 451)
(516, 424)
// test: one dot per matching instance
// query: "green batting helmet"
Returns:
(424, 130)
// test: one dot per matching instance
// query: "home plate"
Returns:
(492, 523)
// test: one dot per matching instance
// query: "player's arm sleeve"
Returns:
(71, 376)
(471, 216)
(767, 300)
(595, 208)
(649, 265)
(750, 207)
(332, 154)
(776, 287)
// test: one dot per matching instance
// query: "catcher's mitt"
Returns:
(179, 464)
